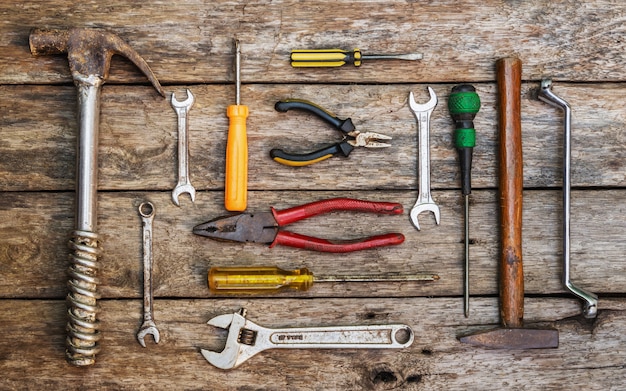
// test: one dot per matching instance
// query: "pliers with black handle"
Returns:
(352, 137)
(264, 227)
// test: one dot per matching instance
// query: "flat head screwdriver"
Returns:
(338, 57)
(463, 105)
(236, 183)
(267, 279)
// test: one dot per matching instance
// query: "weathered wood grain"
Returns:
(191, 41)
(189, 44)
(435, 361)
(34, 230)
(138, 138)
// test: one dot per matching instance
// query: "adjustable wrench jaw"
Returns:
(235, 352)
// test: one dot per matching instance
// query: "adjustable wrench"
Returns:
(245, 338)
(146, 211)
(590, 309)
(422, 115)
(184, 182)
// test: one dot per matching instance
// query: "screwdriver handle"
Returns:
(325, 58)
(257, 279)
(236, 186)
(463, 105)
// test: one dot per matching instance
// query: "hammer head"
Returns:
(514, 338)
(89, 51)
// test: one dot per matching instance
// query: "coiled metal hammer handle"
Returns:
(509, 77)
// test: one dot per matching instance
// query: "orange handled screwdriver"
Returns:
(236, 187)
(264, 279)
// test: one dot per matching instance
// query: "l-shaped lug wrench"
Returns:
(546, 95)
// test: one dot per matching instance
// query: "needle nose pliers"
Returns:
(352, 137)
(264, 227)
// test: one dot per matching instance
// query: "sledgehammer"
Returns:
(512, 335)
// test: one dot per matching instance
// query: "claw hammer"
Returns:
(512, 335)
(89, 53)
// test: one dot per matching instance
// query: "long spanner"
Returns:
(245, 338)
(184, 182)
(422, 115)
(590, 306)
(146, 211)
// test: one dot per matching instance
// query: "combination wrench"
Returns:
(147, 211)
(184, 182)
(546, 95)
(422, 114)
(246, 338)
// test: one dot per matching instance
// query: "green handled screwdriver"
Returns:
(463, 105)
(339, 57)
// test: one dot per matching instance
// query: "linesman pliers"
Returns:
(264, 227)
(352, 137)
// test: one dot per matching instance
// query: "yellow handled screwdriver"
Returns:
(236, 186)
(264, 279)
(339, 57)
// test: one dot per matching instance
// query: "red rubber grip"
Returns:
(297, 213)
(291, 239)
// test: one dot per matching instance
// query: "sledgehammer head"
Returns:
(89, 51)
(506, 338)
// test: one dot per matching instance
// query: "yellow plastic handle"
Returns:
(236, 186)
(324, 58)
(253, 279)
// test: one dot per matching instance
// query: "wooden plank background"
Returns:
(188, 44)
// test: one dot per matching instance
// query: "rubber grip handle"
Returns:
(509, 78)
(236, 183)
(344, 125)
(297, 213)
(305, 159)
(291, 239)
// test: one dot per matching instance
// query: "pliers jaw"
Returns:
(367, 139)
(244, 227)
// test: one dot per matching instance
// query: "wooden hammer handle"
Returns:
(509, 77)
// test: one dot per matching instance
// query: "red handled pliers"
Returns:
(264, 227)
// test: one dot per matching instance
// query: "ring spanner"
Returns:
(546, 95)
(245, 338)
(422, 114)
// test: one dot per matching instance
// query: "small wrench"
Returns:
(422, 115)
(146, 211)
(590, 309)
(184, 183)
(245, 338)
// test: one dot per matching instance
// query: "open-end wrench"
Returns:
(422, 115)
(184, 182)
(590, 306)
(146, 211)
(245, 338)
